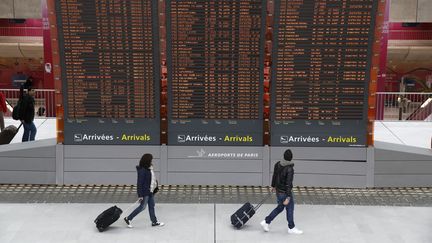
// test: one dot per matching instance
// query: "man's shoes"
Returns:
(295, 231)
(128, 222)
(265, 226)
(158, 224)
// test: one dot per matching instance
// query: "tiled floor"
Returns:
(201, 223)
(418, 197)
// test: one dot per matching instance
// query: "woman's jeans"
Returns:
(151, 204)
(29, 132)
(280, 207)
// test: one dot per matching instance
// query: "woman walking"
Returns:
(146, 188)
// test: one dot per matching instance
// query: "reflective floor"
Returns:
(49, 213)
(201, 223)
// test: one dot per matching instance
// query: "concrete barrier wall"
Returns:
(30, 162)
(326, 167)
(45, 162)
(401, 165)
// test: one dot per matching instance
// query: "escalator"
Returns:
(422, 112)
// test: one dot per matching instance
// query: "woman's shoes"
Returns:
(158, 224)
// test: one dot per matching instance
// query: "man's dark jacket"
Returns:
(27, 109)
(283, 178)
(143, 182)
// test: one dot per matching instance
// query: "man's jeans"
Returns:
(29, 132)
(151, 204)
(280, 207)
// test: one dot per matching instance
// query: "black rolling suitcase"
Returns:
(107, 217)
(241, 216)
(8, 134)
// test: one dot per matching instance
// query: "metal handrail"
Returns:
(404, 93)
(406, 106)
(44, 101)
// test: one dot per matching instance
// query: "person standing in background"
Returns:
(3, 110)
(27, 114)
(28, 83)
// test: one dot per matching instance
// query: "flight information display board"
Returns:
(110, 70)
(320, 71)
(215, 63)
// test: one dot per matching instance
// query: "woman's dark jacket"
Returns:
(143, 182)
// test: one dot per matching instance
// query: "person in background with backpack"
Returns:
(27, 114)
(3, 110)
(282, 183)
(147, 186)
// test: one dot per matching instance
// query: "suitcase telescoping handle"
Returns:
(131, 206)
(262, 201)
(19, 126)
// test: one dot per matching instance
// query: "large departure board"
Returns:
(321, 66)
(215, 63)
(110, 70)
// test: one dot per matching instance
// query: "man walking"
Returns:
(283, 175)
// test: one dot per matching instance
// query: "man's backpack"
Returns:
(16, 112)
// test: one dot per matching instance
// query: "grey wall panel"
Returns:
(25, 9)
(31, 162)
(164, 165)
(27, 177)
(391, 155)
(403, 11)
(215, 178)
(370, 167)
(104, 164)
(356, 154)
(266, 166)
(107, 178)
(185, 152)
(392, 151)
(403, 167)
(27, 164)
(59, 164)
(399, 165)
(207, 165)
(328, 167)
(338, 167)
(424, 11)
(403, 180)
(6, 9)
(39, 149)
(110, 151)
(344, 181)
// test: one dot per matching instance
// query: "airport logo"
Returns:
(78, 138)
(284, 139)
(224, 155)
(181, 138)
(200, 154)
